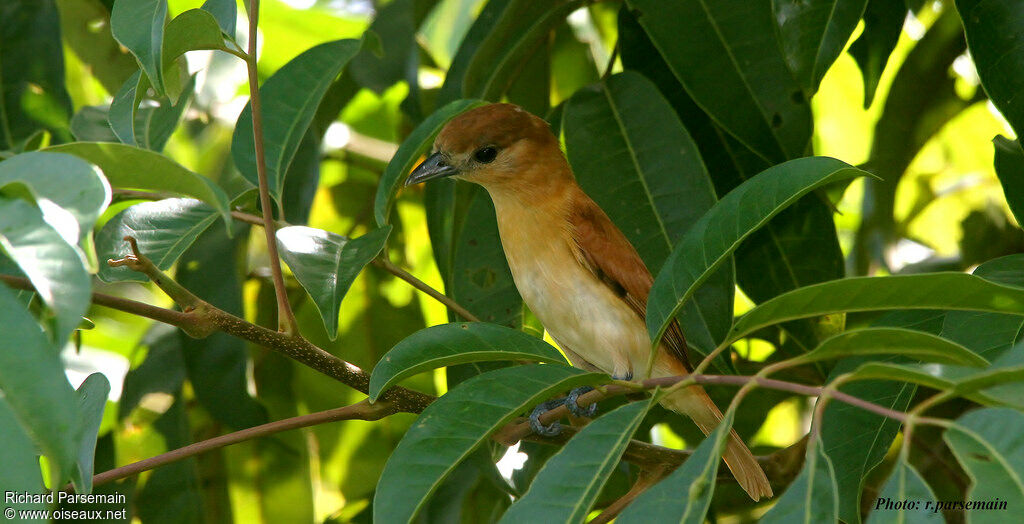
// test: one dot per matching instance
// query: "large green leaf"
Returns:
(326, 264)
(139, 26)
(633, 156)
(123, 106)
(54, 266)
(814, 33)
(1010, 169)
(35, 388)
(969, 386)
(567, 487)
(812, 497)
(685, 495)
(19, 457)
(32, 92)
(987, 442)
(289, 100)
(995, 33)
(457, 343)
(905, 485)
(522, 28)
(456, 424)
(957, 291)
(92, 398)
(883, 21)
(894, 341)
(192, 30)
(727, 57)
(708, 244)
(164, 229)
(61, 184)
(415, 146)
(128, 167)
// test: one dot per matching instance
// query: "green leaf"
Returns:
(905, 484)
(164, 229)
(456, 424)
(571, 480)
(289, 98)
(955, 291)
(86, 31)
(225, 12)
(19, 457)
(32, 75)
(987, 442)
(934, 377)
(636, 160)
(128, 167)
(814, 33)
(727, 57)
(708, 244)
(521, 29)
(192, 30)
(35, 388)
(415, 146)
(995, 32)
(883, 22)
(139, 26)
(1010, 169)
(123, 106)
(484, 24)
(812, 497)
(54, 266)
(395, 25)
(61, 185)
(154, 125)
(92, 398)
(894, 341)
(685, 495)
(457, 343)
(326, 264)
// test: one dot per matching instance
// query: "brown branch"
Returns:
(646, 480)
(390, 267)
(285, 317)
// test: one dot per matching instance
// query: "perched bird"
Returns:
(573, 267)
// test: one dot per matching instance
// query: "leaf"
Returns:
(19, 457)
(571, 480)
(326, 264)
(139, 26)
(955, 291)
(86, 31)
(290, 98)
(192, 30)
(457, 343)
(92, 398)
(814, 33)
(484, 24)
(727, 57)
(155, 125)
(61, 185)
(225, 12)
(128, 167)
(395, 24)
(812, 497)
(456, 424)
(164, 229)
(933, 377)
(636, 160)
(123, 106)
(995, 30)
(707, 245)
(35, 388)
(987, 444)
(520, 30)
(905, 485)
(894, 341)
(1010, 169)
(32, 83)
(415, 146)
(55, 267)
(883, 22)
(685, 495)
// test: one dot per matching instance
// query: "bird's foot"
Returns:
(574, 408)
(627, 376)
(551, 430)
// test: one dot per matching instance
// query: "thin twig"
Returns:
(646, 480)
(285, 317)
(390, 267)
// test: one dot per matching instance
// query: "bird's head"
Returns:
(498, 146)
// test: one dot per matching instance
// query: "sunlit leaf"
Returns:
(92, 398)
(139, 26)
(894, 341)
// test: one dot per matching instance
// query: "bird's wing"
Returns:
(603, 249)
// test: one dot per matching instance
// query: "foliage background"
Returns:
(926, 130)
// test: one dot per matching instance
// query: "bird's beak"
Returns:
(433, 167)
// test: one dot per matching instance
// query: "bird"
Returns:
(575, 270)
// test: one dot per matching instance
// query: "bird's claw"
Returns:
(574, 408)
(551, 430)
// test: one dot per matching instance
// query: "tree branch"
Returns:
(285, 317)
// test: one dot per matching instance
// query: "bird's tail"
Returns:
(695, 403)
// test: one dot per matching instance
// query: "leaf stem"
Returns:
(285, 317)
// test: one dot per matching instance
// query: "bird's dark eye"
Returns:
(485, 155)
